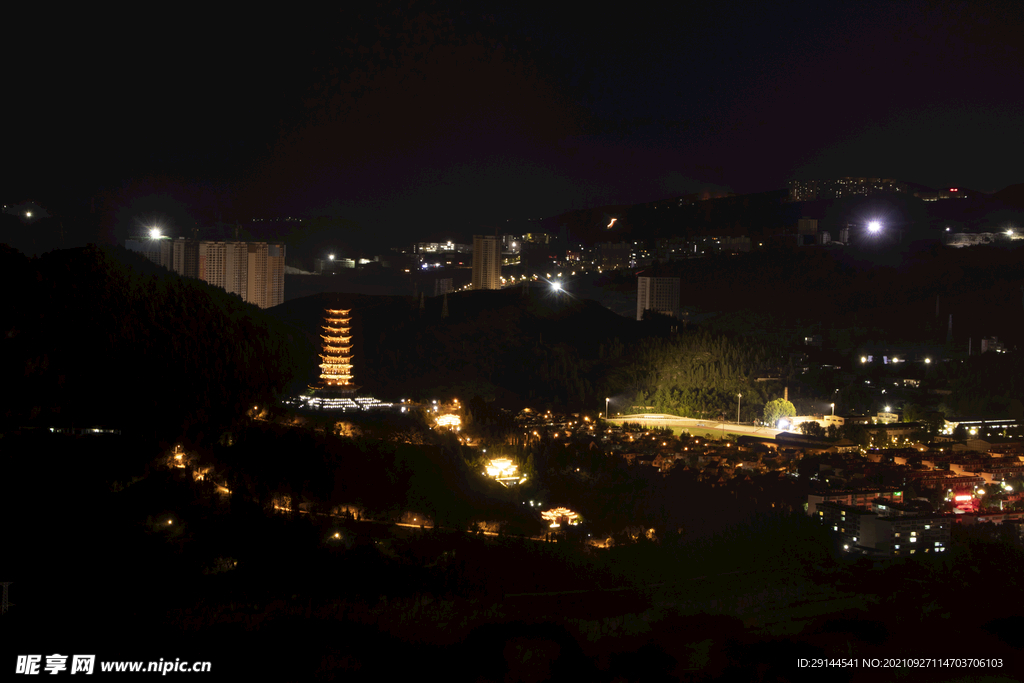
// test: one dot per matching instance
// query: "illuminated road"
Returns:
(693, 425)
(409, 526)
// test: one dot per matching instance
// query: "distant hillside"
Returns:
(1012, 195)
(492, 344)
(100, 335)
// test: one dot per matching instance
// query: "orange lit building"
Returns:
(336, 368)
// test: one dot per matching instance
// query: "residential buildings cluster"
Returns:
(252, 270)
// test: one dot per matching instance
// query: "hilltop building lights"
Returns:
(450, 421)
(504, 471)
(559, 516)
(336, 368)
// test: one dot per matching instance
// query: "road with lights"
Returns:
(694, 425)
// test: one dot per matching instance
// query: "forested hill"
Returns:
(519, 343)
(101, 336)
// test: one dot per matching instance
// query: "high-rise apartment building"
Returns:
(660, 294)
(275, 275)
(810, 190)
(185, 257)
(252, 270)
(212, 263)
(486, 262)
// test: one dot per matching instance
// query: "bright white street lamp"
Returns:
(154, 233)
(606, 408)
(874, 226)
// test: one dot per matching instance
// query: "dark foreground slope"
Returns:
(100, 336)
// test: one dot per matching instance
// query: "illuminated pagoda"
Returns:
(335, 390)
(336, 368)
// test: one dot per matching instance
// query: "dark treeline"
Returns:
(101, 336)
(507, 344)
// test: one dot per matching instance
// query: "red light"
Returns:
(952, 189)
(964, 497)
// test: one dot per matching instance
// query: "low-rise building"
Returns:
(905, 533)
(859, 498)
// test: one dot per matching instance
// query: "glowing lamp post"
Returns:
(154, 233)
(874, 227)
(606, 408)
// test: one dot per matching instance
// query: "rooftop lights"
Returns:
(557, 516)
(503, 470)
(450, 421)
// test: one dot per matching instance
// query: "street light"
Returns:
(833, 408)
(874, 226)
(154, 233)
(606, 408)
(739, 399)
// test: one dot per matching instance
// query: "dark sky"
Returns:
(410, 118)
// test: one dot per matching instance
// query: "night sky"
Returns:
(416, 118)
